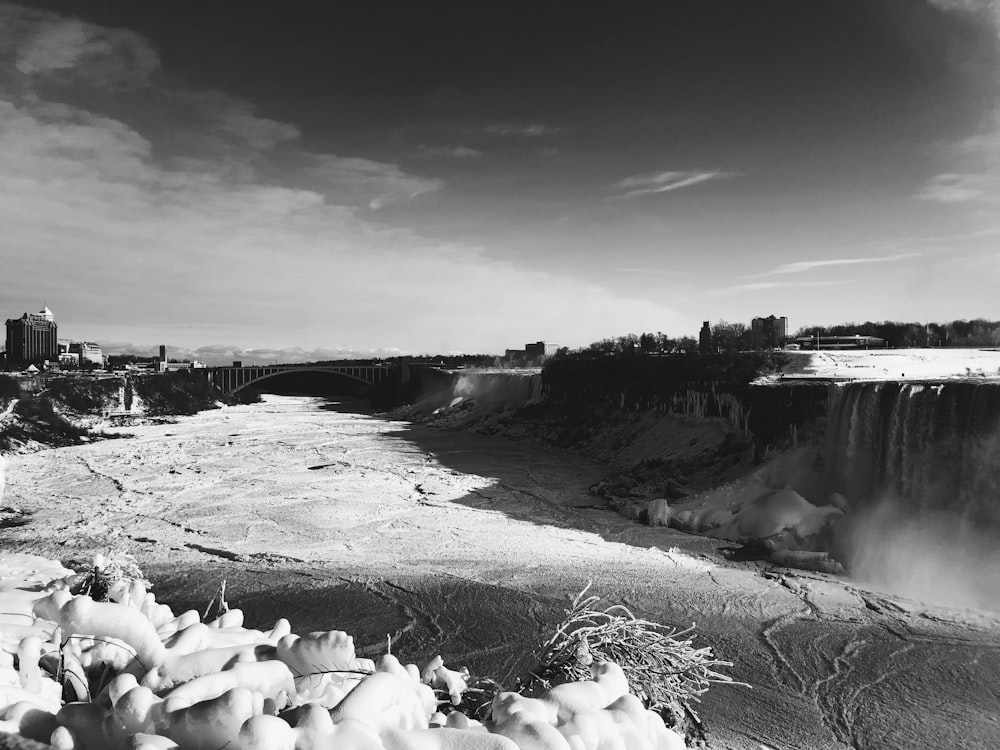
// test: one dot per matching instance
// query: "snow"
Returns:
(751, 514)
(486, 536)
(893, 364)
(181, 694)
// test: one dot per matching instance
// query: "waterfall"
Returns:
(920, 465)
(499, 388)
(933, 447)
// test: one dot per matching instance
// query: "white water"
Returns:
(920, 465)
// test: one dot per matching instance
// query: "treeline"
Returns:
(729, 337)
(726, 338)
(643, 343)
(978, 332)
(640, 381)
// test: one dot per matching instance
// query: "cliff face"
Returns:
(70, 409)
(929, 446)
(787, 415)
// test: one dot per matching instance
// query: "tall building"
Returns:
(705, 339)
(769, 332)
(32, 338)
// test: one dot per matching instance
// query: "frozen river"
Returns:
(471, 546)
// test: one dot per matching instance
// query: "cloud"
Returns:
(230, 119)
(182, 132)
(527, 130)
(457, 152)
(47, 46)
(988, 9)
(169, 215)
(810, 265)
(948, 241)
(759, 286)
(226, 354)
(974, 179)
(664, 182)
(378, 183)
(961, 188)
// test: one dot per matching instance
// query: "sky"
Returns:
(312, 180)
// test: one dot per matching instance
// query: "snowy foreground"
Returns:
(183, 683)
(471, 547)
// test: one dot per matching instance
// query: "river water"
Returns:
(473, 547)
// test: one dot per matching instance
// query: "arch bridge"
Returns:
(231, 379)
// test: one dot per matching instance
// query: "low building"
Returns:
(857, 341)
(84, 354)
(540, 350)
(532, 355)
(87, 353)
(174, 366)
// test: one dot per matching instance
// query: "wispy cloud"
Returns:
(664, 182)
(172, 215)
(379, 183)
(957, 188)
(810, 265)
(233, 122)
(456, 152)
(976, 188)
(948, 241)
(50, 47)
(760, 286)
(988, 9)
(974, 179)
(225, 354)
(527, 130)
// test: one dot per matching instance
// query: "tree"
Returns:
(603, 346)
(648, 343)
(728, 337)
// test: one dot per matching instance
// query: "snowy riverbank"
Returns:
(469, 546)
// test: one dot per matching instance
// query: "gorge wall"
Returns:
(932, 445)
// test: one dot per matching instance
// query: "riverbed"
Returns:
(470, 546)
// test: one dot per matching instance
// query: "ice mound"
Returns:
(144, 678)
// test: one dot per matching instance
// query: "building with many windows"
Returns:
(532, 355)
(84, 354)
(31, 339)
(769, 332)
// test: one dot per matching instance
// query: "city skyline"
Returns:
(440, 177)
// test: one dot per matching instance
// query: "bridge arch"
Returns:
(297, 370)
(229, 380)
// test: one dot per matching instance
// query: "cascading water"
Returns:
(920, 466)
(506, 388)
(933, 447)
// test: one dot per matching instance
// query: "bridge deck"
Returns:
(231, 379)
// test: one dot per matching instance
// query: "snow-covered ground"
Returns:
(472, 546)
(893, 364)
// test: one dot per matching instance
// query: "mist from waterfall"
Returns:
(920, 466)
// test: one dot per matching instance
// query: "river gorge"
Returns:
(473, 546)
